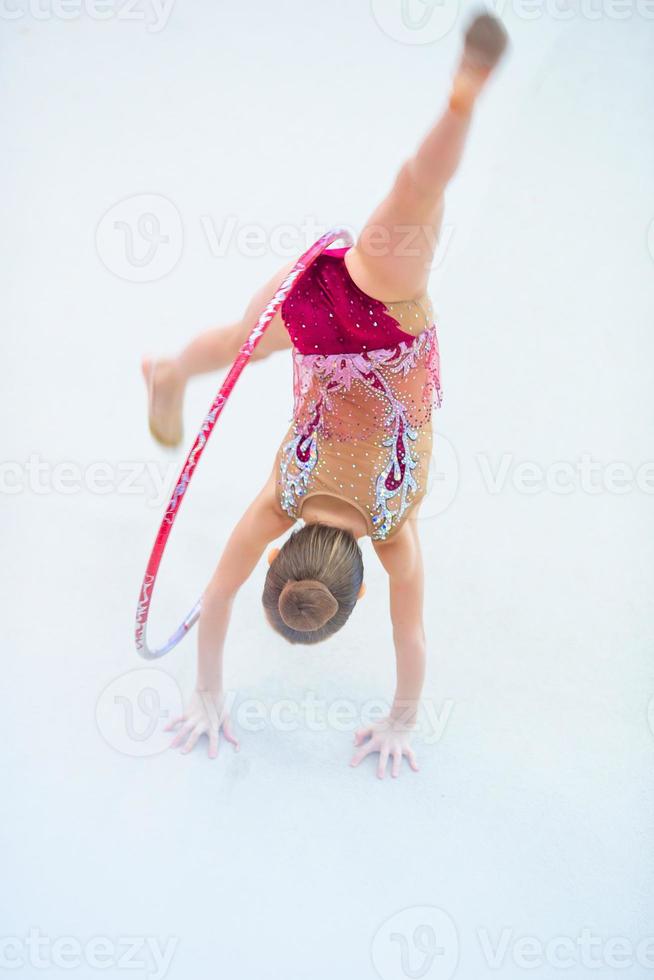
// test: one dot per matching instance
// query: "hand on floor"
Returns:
(391, 739)
(206, 714)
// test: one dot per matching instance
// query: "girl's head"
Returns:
(313, 583)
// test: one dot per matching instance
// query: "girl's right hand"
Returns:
(205, 714)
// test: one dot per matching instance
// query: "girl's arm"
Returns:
(262, 522)
(403, 562)
(402, 558)
(207, 712)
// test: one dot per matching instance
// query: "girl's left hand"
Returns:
(206, 714)
(390, 739)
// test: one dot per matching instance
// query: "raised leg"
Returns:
(394, 253)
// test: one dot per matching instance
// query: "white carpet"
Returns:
(530, 824)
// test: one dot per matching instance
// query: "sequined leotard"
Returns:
(365, 376)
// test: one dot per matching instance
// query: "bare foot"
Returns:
(485, 43)
(165, 385)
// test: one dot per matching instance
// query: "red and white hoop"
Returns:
(243, 356)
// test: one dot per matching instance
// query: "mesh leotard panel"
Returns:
(366, 375)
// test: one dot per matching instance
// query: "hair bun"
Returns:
(306, 605)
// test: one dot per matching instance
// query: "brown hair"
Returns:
(313, 583)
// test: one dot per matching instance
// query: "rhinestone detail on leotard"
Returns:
(346, 402)
(365, 378)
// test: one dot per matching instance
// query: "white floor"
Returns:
(532, 814)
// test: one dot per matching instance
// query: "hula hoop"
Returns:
(172, 508)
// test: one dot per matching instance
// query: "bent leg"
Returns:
(393, 255)
(217, 347)
(211, 350)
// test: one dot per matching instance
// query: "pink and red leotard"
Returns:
(366, 375)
